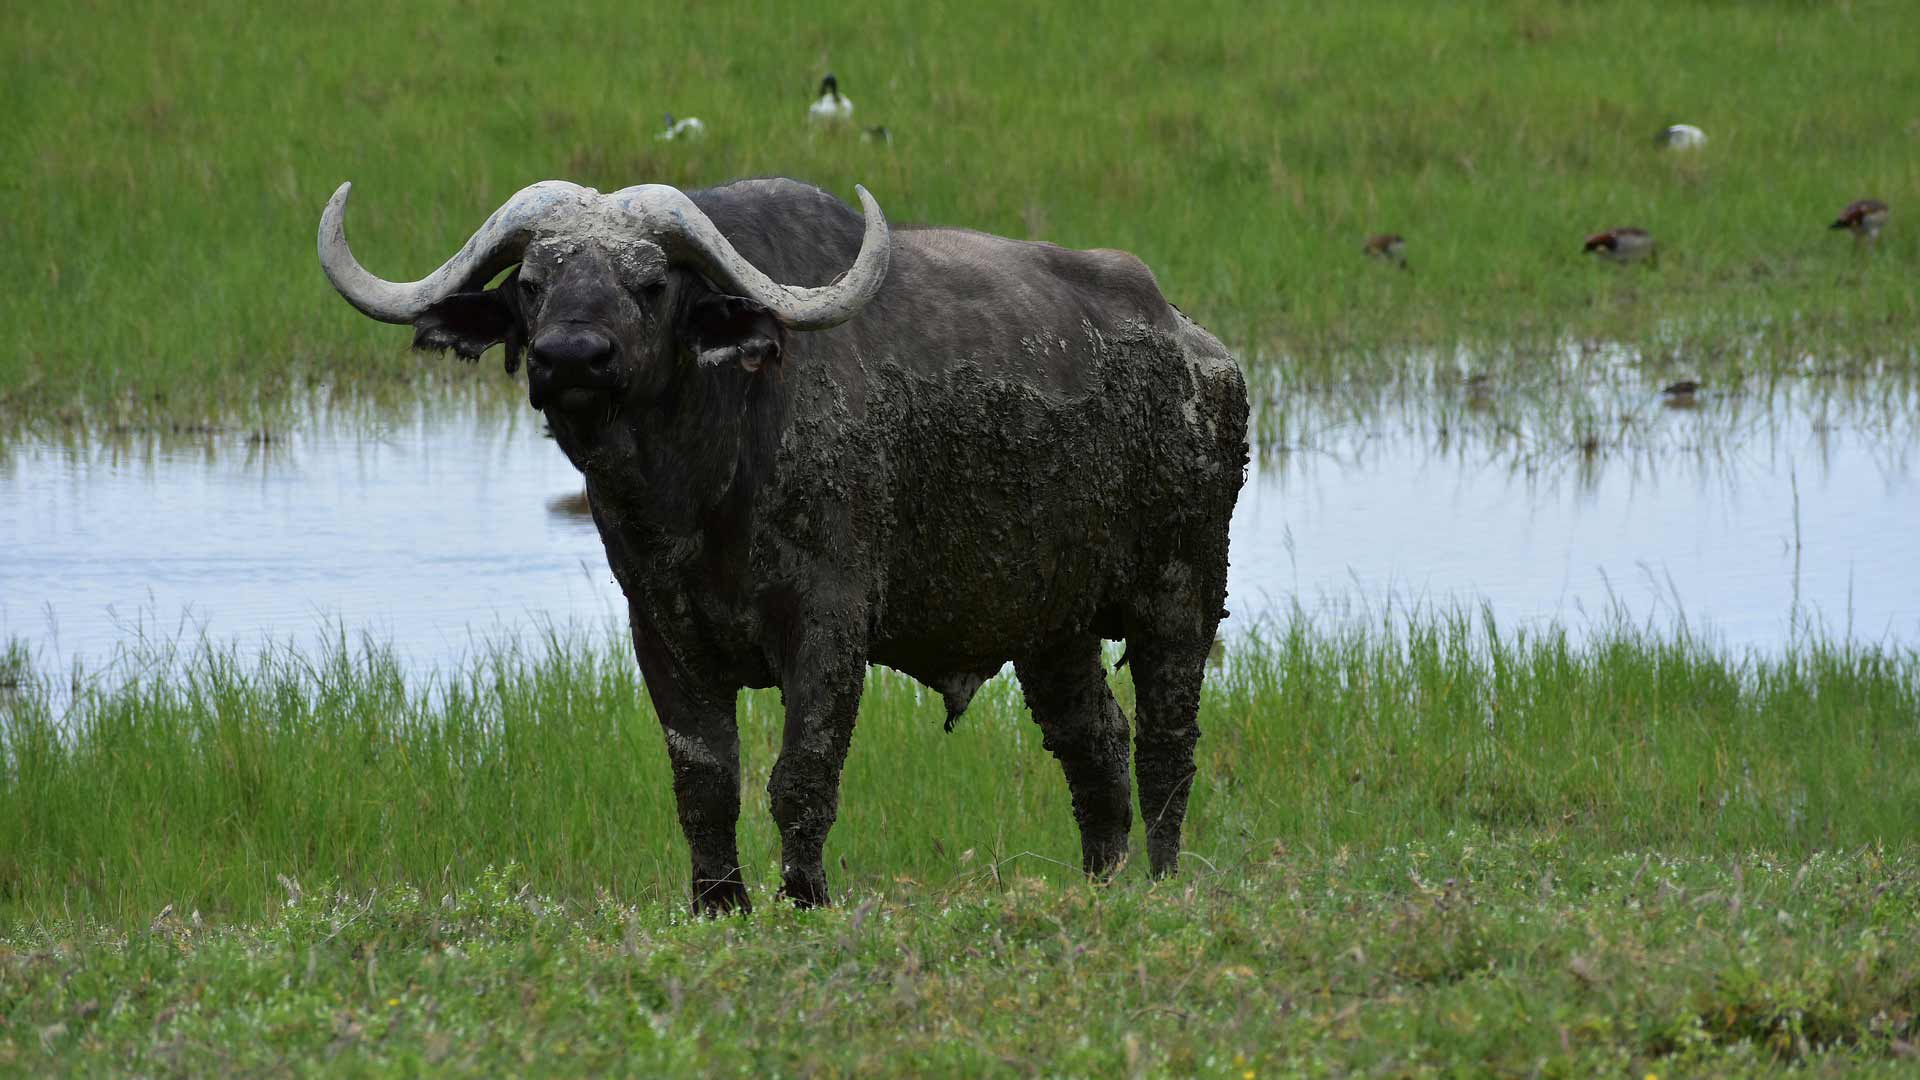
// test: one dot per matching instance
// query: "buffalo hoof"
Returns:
(1103, 858)
(1164, 857)
(726, 896)
(806, 890)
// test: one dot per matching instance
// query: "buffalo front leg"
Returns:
(703, 745)
(821, 691)
(1083, 727)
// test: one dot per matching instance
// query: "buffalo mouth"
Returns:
(571, 393)
(572, 369)
(579, 400)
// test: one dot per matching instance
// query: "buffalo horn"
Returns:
(667, 216)
(682, 228)
(497, 245)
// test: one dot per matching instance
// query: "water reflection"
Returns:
(1591, 399)
(571, 505)
(1750, 510)
(427, 533)
(1802, 518)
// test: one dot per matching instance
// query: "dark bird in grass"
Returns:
(1625, 245)
(1864, 218)
(1389, 246)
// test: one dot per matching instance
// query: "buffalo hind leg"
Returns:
(1081, 724)
(703, 745)
(1166, 675)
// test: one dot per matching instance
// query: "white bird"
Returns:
(689, 128)
(1680, 137)
(830, 106)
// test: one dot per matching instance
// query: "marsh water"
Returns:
(440, 531)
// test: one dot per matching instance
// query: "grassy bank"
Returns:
(172, 165)
(198, 780)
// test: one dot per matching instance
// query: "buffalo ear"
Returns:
(720, 329)
(470, 323)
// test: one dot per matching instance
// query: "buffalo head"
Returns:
(609, 295)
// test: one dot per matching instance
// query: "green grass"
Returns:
(196, 779)
(1419, 845)
(168, 168)
(1513, 954)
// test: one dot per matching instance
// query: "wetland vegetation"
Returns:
(1427, 843)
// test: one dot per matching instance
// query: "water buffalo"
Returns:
(812, 443)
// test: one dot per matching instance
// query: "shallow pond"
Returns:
(454, 527)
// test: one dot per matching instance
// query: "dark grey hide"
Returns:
(1012, 452)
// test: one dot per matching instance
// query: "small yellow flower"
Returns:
(1248, 1075)
(395, 1001)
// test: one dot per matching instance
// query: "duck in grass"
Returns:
(1623, 245)
(831, 106)
(1390, 247)
(1864, 218)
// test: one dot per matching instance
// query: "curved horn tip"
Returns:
(338, 202)
(333, 217)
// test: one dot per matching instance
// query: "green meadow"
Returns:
(1416, 844)
(168, 167)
